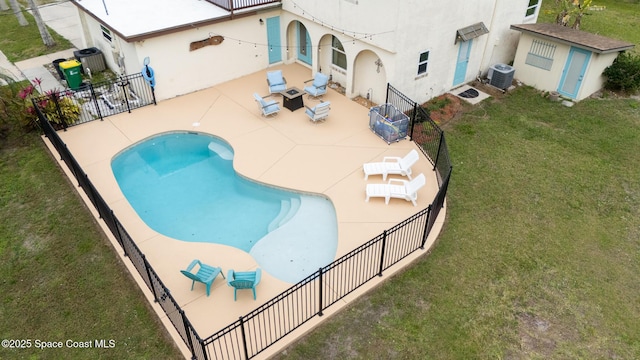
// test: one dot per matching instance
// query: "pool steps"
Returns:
(288, 208)
(221, 150)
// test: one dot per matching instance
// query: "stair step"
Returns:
(284, 210)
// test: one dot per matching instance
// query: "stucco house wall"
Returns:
(560, 42)
(542, 79)
(179, 70)
(382, 42)
(596, 80)
(397, 35)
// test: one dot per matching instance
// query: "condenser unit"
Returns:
(501, 75)
(91, 58)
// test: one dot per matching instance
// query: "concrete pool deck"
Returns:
(287, 150)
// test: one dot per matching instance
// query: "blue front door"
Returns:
(573, 72)
(461, 64)
(273, 39)
(304, 44)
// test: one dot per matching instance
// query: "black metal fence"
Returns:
(95, 101)
(255, 332)
(232, 5)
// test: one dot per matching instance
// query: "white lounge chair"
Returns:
(396, 188)
(392, 165)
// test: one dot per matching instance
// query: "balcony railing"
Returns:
(233, 5)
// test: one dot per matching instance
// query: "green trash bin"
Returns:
(72, 72)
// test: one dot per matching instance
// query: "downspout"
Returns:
(486, 45)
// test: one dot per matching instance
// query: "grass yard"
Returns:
(540, 255)
(539, 259)
(618, 19)
(60, 278)
(25, 42)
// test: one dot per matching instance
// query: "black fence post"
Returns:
(123, 84)
(188, 333)
(320, 291)
(413, 120)
(95, 101)
(116, 233)
(54, 96)
(387, 94)
(146, 267)
(244, 339)
(435, 163)
(426, 232)
(384, 246)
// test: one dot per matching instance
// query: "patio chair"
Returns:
(392, 165)
(244, 280)
(318, 112)
(396, 188)
(276, 81)
(318, 87)
(267, 108)
(206, 274)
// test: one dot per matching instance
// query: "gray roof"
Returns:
(583, 39)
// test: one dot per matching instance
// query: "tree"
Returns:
(47, 39)
(571, 12)
(18, 11)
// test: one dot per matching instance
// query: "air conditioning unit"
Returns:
(501, 76)
(91, 58)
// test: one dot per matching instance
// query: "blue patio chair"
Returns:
(267, 108)
(276, 81)
(318, 87)
(206, 274)
(318, 112)
(244, 280)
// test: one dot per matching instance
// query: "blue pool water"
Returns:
(183, 185)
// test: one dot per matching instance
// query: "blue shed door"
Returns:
(462, 62)
(273, 39)
(573, 72)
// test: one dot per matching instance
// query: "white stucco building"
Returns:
(551, 57)
(423, 48)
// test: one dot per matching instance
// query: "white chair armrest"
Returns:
(399, 181)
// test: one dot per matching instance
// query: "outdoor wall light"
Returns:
(261, 22)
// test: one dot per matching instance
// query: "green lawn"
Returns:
(539, 258)
(540, 255)
(60, 279)
(619, 19)
(25, 42)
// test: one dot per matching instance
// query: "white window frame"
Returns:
(541, 54)
(339, 51)
(425, 63)
(528, 14)
(106, 33)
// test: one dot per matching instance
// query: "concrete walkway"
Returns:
(63, 19)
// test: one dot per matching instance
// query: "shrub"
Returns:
(57, 108)
(624, 73)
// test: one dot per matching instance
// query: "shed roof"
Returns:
(595, 43)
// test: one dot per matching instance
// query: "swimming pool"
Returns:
(183, 185)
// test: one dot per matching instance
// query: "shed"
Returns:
(552, 57)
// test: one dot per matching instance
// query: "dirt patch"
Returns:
(444, 108)
(364, 102)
